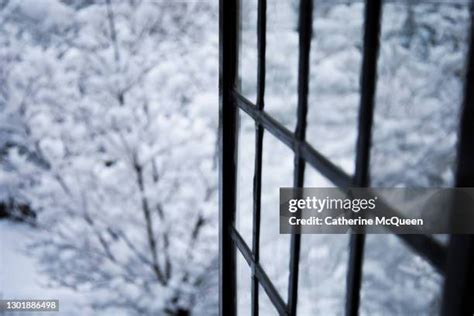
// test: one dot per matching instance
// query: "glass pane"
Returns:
(323, 266)
(314, 179)
(282, 61)
(265, 306)
(323, 270)
(245, 171)
(248, 49)
(244, 295)
(421, 71)
(275, 248)
(396, 281)
(335, 66)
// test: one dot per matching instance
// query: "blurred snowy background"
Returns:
(108, 176)
(108, 115)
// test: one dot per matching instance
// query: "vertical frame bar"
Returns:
(458, 296)
(373, 12)
(257, 180)
(305, 33)
(228, 133)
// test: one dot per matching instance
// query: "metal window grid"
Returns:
(454, 261)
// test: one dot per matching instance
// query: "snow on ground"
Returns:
(20, 278)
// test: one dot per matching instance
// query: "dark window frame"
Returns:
(455, 261)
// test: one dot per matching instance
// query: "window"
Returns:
(454, 261)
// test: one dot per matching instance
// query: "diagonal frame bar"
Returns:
(427, 247)
(261, 275)
(307, 152)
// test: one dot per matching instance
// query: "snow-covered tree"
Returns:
(119, 158)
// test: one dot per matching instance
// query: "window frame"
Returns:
(454, 261)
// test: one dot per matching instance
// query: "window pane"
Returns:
(314, 179)
(323, 266)
(396, 281)
(274, 247)
(323, 269)
(245, 170)
(421, 71)
(282, 61)
(335, 66)
(244, 277)
(265, 306)
(248, 49)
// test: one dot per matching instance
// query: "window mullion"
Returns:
(373, 12)
(228, 132)
(257, 180)
(459, 282)
(305, 33)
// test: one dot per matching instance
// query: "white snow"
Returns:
(20, 279)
